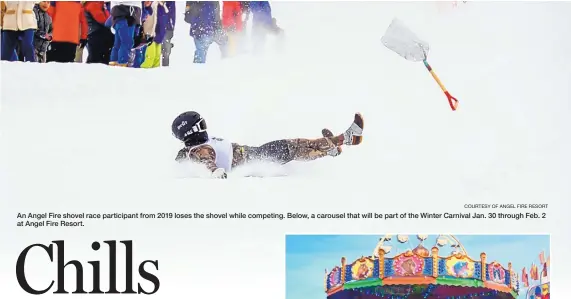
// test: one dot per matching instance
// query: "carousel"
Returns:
(446, 271)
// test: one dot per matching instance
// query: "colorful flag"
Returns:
(524, 278)
(542, 258)
(533, 273)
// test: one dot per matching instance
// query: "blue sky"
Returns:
(308, 256)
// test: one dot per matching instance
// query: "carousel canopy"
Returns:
(419, 272)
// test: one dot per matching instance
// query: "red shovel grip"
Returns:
(452, 101)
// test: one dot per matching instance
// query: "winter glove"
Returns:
(82, 43)
(182, 155)
(219, 173)
(46, 37)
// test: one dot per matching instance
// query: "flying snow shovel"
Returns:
(404, 42)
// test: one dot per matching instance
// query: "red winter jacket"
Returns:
(68, 21)
(232, 15)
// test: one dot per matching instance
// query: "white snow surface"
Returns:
(506, 63)
(508, 138)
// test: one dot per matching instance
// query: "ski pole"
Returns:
(451, 100)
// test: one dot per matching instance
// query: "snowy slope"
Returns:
(82, 136)
(98, 121)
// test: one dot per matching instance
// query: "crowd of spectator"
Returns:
(127, 33)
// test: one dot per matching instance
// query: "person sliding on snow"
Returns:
(220, 155)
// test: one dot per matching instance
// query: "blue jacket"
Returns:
(203, 17)
(261, 12)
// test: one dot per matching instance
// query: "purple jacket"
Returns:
(161, 27)
(171, 6)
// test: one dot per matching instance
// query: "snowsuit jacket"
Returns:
(261, 13)
(18, 15)
(171, 13)
(42, 37)
(69, 22)
(203, 17)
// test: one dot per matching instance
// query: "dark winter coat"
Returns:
(203, 17)
(96, 14)
(171, 6)
(261, 13)
(43, 34)
(131, 13)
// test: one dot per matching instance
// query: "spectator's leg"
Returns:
(68, 52)
(27, 46)
(258, 37)
(166, 47)
(62, 52)
(143, 53)
(201, 44)
(78, 54)
(19, 53)
(91, 49)
(107, 46)
(114, 55)
(99, 47)
(158, 51)
(139, 56)
(9, 39)
(231, 48)
(148, 57)
(40, 56)
(222, 41)
(52, 53)
(152, 56)
(126, 34)
(114, 58)
(94, 49)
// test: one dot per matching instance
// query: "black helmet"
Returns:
(190, 128)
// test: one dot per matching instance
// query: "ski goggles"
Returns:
(199, 127)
